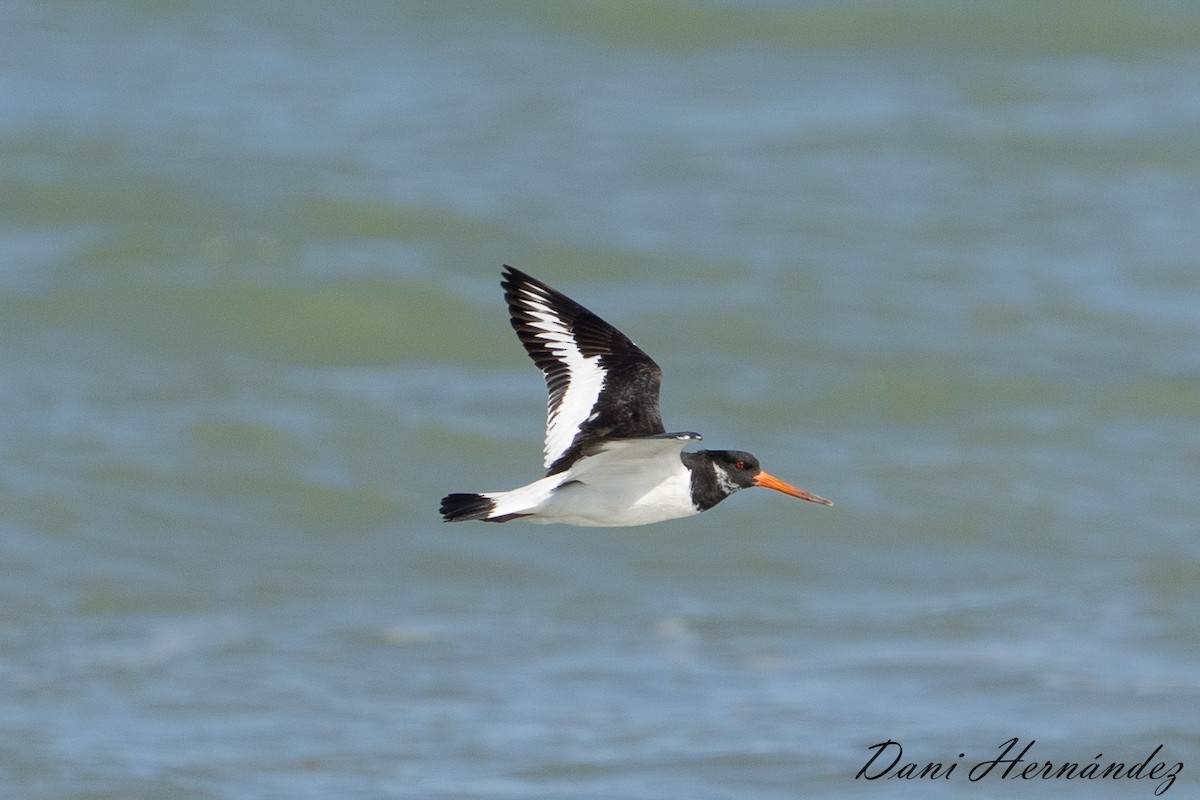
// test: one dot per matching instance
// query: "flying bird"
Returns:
(609, 460)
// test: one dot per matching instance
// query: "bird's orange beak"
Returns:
(771, 482)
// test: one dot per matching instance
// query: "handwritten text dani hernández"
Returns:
(1015, 762)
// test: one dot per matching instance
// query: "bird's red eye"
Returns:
(739, 465)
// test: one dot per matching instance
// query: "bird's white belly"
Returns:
(606, 505)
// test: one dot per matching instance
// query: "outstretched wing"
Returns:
(601, 385)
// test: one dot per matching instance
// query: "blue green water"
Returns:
(934, 261)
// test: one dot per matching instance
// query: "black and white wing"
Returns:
(601, 385)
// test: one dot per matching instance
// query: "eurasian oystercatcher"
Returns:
(610, 461)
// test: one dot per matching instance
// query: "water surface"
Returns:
(934, 261)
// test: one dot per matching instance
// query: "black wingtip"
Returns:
(513, 279)
(511, 275)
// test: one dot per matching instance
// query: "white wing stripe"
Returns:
(584, 384)
(563, 423)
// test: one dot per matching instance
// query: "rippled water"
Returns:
(934, 261)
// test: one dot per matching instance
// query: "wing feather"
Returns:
(601, 385)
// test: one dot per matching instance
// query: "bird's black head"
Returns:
(737, 469)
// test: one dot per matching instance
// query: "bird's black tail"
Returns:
(461, 507)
